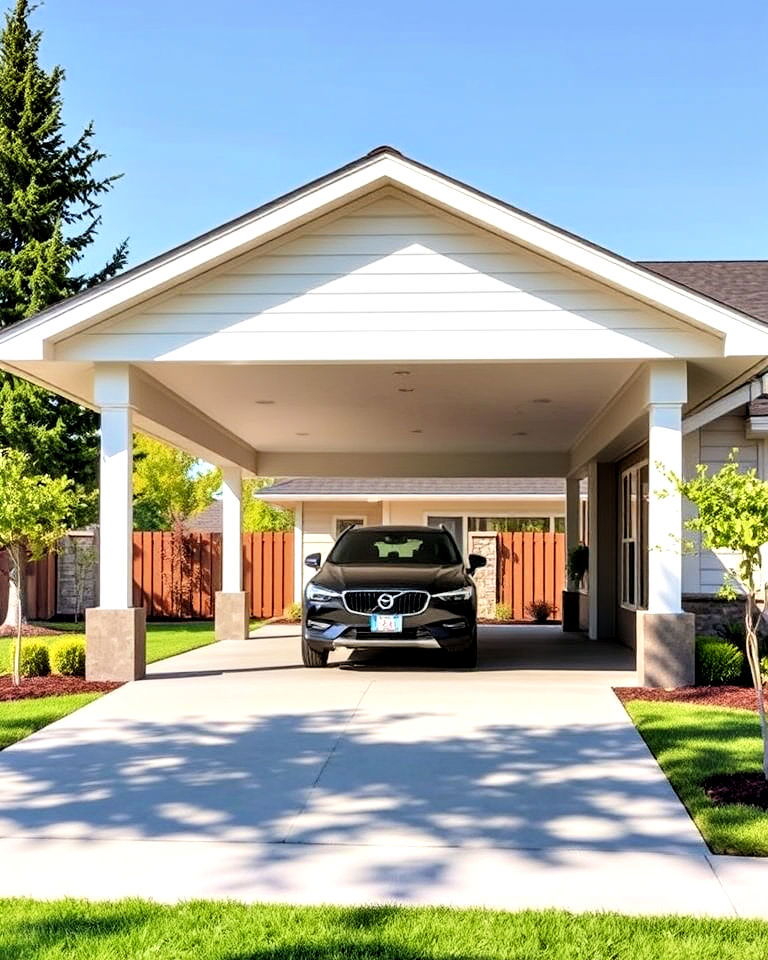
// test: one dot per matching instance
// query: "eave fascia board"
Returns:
(741, 334)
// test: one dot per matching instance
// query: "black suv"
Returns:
(391, 587)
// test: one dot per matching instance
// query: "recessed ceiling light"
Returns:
(265, 403)
(405, 389)
(402, 373)
(302, 434)
(417, 431)
(520, 433)
(542, 400)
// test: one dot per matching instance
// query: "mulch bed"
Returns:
(517, 623)
(52, 686)
(749, 789)
(739, 698)
(31, 630)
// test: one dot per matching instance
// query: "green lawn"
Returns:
(691, 743)
(137, 930)
(19, 718)
(163, 639)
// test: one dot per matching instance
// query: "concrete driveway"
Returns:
(234, 772)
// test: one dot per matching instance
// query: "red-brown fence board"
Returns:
(530, 568)
(40, 587)
(170, 585)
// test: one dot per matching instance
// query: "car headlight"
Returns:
(463, 593)
(321, 594)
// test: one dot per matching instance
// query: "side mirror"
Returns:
(313, 560)
(476, 561)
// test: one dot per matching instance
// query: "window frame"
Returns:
(633, 537)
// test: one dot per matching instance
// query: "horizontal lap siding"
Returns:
(168, 586)
(530, 568)
(395, 266)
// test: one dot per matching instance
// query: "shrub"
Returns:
(540, 610)
(292, 612)
(764, 669)
(34, 660)
(68, 657)
(503, 611)
(717, 662)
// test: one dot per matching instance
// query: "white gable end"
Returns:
(390, 279)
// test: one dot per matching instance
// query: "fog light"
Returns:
(317, 625)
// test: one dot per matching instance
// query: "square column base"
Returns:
(232, 616)
(665, 644)
(115, 644)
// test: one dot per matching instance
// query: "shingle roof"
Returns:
(424, 486)
(209, 520)
(742, 284)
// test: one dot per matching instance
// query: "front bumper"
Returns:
(445, 625)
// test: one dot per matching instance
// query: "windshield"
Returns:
(429, 547)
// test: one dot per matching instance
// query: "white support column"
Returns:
(115, 630)
(232, 612)
(665, 515)
(231, 530)
(664, 634)
(298, 552)
(116, 508)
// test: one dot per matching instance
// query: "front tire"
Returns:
(311, 657)
(466, 657)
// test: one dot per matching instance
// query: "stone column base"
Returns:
(571, 611)
(232, 616)
(115, 644)
(665, 648)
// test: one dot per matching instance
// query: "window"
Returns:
(510, 524)
(343, 522)
(634, 537)
(372, 547)
(559, 524)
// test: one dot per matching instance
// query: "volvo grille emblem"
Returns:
(386, 601)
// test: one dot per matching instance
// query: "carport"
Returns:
(387, 320)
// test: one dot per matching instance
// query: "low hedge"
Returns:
(35, 661)
(68, 657)
(718, 662)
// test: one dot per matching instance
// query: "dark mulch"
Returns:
(51, 686)
(749, 789)
(739, 698)
(30, 630)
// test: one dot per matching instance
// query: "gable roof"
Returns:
(384, 166)
(742, 284)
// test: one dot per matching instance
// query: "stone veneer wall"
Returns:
(710, 611)
(66, 578)
(484, 544)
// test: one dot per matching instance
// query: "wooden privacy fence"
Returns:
(175, 578)
(530, 566)
(40, 587)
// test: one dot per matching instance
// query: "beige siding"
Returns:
(416, 512)
(394, 265)
(703, 572)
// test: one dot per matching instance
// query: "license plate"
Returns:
(386, 623)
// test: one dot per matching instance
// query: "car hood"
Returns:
(370, 577)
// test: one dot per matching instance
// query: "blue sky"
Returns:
(642, 126)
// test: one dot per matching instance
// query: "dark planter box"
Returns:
(571, 610)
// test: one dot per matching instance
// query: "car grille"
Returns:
(405, 602)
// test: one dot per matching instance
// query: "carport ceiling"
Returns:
(379, 409)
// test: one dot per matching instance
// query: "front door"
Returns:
(454, 524)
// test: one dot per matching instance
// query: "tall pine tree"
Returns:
(49, 215)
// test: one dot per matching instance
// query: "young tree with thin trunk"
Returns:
(732, 515)
(35, 511)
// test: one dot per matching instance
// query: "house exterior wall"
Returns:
(396, 265)
(319, 524)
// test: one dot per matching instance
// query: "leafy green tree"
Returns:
(168, 485)
(49, 216)
(733, 515)
(259, 516)
(35, 511)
